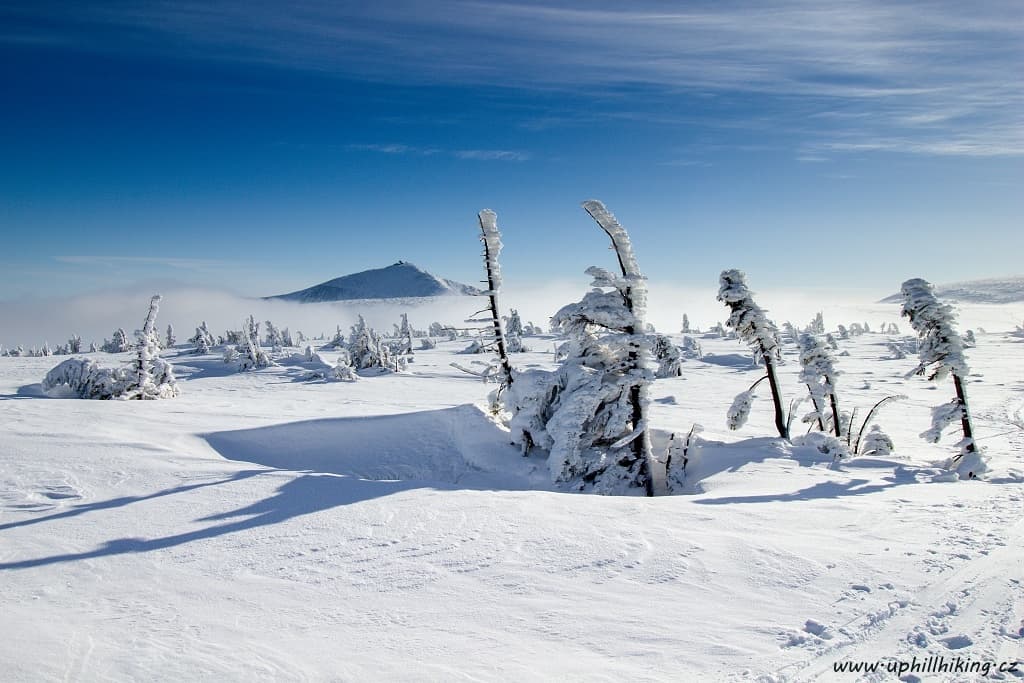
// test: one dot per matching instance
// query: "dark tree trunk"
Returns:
(965, 415)
(773, 382)
(836, 424)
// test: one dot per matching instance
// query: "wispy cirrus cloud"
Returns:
(922, 76)
(103, 261)
(467, 154)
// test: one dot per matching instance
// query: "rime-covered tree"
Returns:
(46, 350)
(668, 356)
(819, 373)
(154, 377)
(817, 326)
(147, 377)
(273, 336)
(405, 335)
(876, 442)
(686, 324)
(75, 344)
(202, 339)
(252, 354)
(170, 340)
(491, 239)
(753, 327)
(118, 343)
(941, 354)
(591, 412)
(514, 332)
(366, 349)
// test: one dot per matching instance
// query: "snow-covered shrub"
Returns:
(941, 354)
(678, 455)
(843, 333)
(753, 327)
(895, 350)
(514, 333)
(817, 326)
(147, 377)
(819, 373)
(84, 378)
(202, 339)
(118, 343)
(366, 348)
(154, 377)
(343, 371)
(405, 336)
(274, 340)
(474, 347)
(969, 339)
(670, 360)
(590, 412)
(825, 443)
(252, 354)
(426, 343)
(692, 348)
(876, 442)
(230, 353)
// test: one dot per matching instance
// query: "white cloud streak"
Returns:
(919, 76)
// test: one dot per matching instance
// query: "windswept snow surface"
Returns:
(261, 527)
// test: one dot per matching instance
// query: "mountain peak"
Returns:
(401, 280)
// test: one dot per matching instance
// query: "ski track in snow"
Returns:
(257, 528)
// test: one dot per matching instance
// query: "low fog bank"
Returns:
(95, 316)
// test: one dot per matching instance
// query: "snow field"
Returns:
(260, 527)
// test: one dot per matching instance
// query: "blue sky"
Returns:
(264, 147)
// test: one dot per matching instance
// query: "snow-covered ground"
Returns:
(262, 527)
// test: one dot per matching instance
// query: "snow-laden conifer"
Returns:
(819, 373)
(514, 332)
(751, 324)
(147, 377)
(274, 340)
(668, 356)
(75, 344)
(366, 349)
(170, 340)
(491, 239)
(405, 336)
(876, 442)
(154, 377)
(252, 355)
(591, 412)
(203, 339)
(941, 354)
(118, 343)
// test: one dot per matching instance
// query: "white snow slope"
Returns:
(260, 527)
(399, 280)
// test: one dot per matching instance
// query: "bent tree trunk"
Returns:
(965, 415)
(773, 382)
(641, 445)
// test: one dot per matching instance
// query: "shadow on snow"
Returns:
(341, 461)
